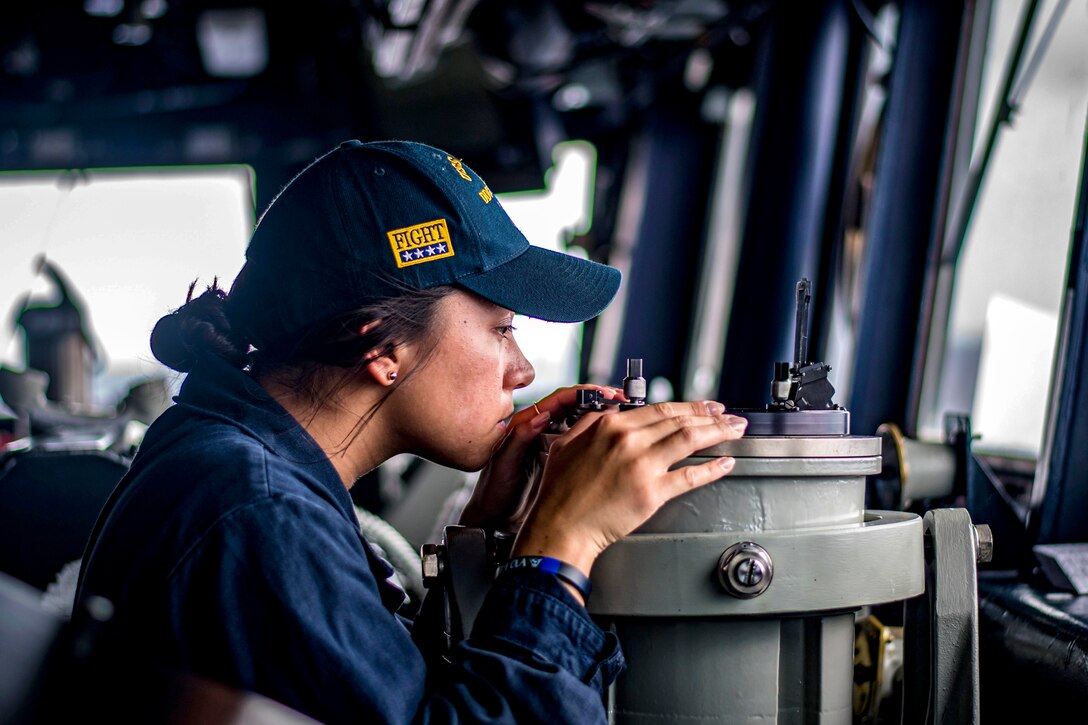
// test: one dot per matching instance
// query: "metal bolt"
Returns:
(749, 572)
(745, 570)
(984, 543)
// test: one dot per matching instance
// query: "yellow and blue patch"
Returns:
(421, 243)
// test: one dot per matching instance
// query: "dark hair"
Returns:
(331, 355)
(323, 361)
(198, 327)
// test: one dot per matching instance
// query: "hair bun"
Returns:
(197, 328)
(167, 344)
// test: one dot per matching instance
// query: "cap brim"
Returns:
(548, 285)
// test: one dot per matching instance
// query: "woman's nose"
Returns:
(520, 372)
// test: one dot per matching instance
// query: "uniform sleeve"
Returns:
(279, 599)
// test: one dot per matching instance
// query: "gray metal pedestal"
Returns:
(700, 655)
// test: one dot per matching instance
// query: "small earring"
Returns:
(392, 375)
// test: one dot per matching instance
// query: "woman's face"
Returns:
(452, 410)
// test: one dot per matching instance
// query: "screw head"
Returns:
(745, 570)
(749, 572)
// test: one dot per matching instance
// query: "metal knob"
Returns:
(745, 570)
(984, 543)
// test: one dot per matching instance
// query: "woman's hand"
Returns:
(610, 473)
(503, 494)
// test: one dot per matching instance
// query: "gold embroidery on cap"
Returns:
(485, 193)
(421, 243)
(460, 169)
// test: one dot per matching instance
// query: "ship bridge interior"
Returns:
(882, 203)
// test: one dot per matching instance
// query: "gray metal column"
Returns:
(698, 654)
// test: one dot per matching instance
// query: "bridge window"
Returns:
(1006, 301)
(130, 242)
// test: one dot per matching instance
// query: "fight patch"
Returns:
(421, 243)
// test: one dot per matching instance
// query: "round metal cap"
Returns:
(745, 570)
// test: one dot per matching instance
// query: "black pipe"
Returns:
(807, 90)
(680, 149)
(910, 192)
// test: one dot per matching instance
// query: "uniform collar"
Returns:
(217, 390)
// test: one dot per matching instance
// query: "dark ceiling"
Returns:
(151, 82)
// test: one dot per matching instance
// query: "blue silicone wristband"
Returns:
(564, 571)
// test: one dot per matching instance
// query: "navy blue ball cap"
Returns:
(367, 221)
(548, 285)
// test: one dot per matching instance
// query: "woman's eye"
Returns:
(505, 330)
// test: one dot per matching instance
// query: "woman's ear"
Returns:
(384, 369)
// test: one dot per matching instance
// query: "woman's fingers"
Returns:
(501, 489)
(685, 478)
(651, 423)
(519, 438)
(664, 428)
(564, 400)
(642, 428)
(681, 436)
(609, 473)
(647, 414)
